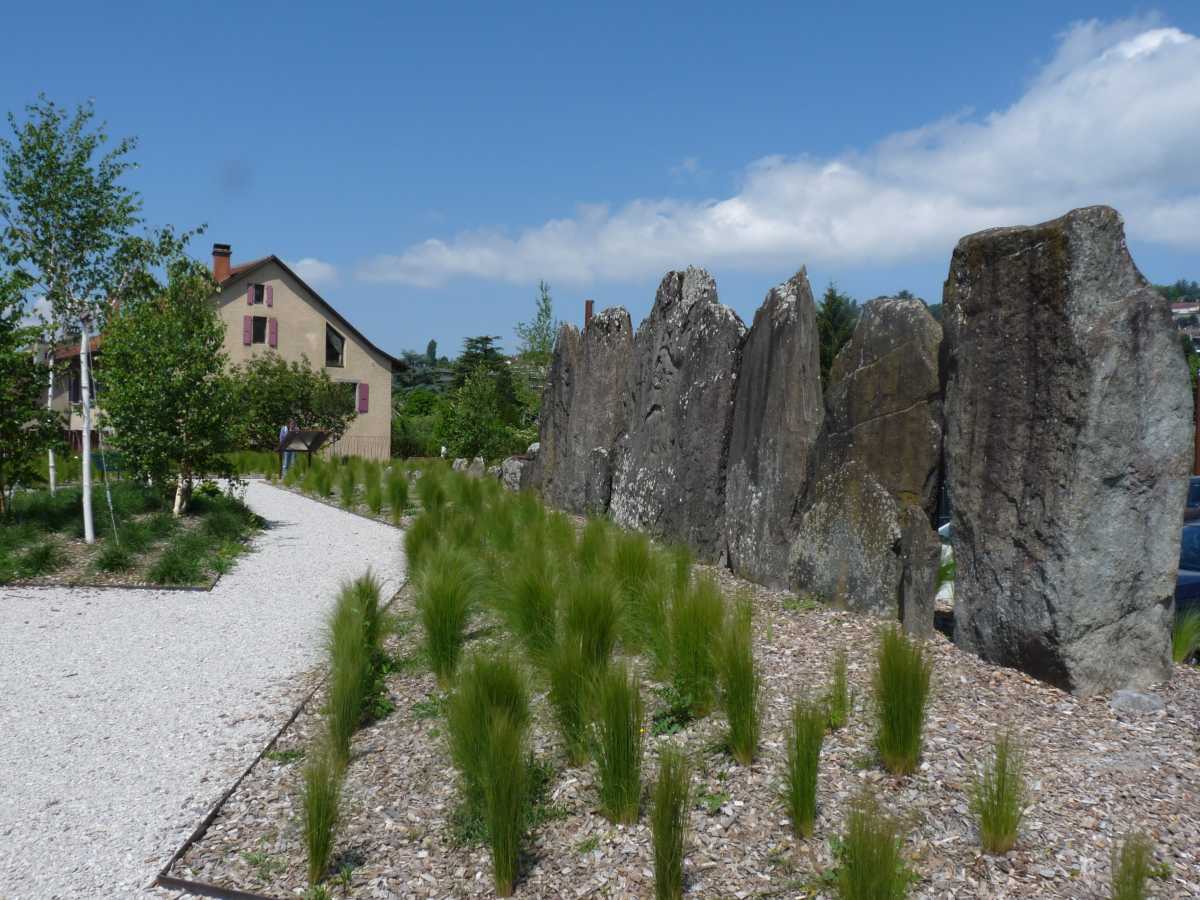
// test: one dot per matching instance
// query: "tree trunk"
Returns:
(183, 490)
(85, 396)
(50, 405)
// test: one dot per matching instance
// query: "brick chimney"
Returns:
(221, 254)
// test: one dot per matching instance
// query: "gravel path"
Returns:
(125, 714)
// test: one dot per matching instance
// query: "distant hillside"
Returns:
(1180, 291)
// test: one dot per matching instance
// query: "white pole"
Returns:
(50, 405)
(89, 533)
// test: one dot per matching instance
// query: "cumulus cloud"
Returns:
(1113, 117)
(315, 271)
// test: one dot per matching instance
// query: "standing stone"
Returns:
(582, 410)
(777, 415)
(864, 537)
(1068, 444)
(669, 474)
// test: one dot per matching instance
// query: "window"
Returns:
(260, 330)
(335, 348)
(351, 389)
(260, 291)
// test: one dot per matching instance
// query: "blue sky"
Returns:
(425, 168)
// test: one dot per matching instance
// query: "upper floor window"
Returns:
(335, 347)
(260, 293)
(260, 330)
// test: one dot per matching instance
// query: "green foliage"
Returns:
(527, 598)
(837, 700)
(594, 546)
(837, 314)
(740, 684)
(592, 616)
(397, 493)
(669, 823)
(537, 336)
(1131, 868)
(505, 782)
(419, 540)
(114, 558)
(166, 393)
(445, 587)
(373, 496)
(182, 562)
(998, 796)
(902, 685)
(431, 489)
(1185, 638)
(806, 733)
(696, 619)
(488, 687)
(478, 420)
(1181, 290)
(617, 744)
(353, 637)
(347, 486)
(319, 804)
(570, 673)
(268, 391)
(871, 865)
(41, 559)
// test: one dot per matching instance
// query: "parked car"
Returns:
(1191, 512)
(1187, 585)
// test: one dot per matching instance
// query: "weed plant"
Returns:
(837, 699)
(592, 615)
(806, 734)
(445, 587)
(570, 674)
(397, 494)
(740, 684)
(618, 743)
(505, 790)
(669, 823)
(902, 684)
(1185, 638)
(998, 796)
(320, 801)
(1131, 868)
(696, 619)
(871, 865)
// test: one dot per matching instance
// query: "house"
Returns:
(268, 308)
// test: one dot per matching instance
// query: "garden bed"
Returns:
(42, 542)
(1095, 776)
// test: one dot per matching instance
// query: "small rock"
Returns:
(1136, 702)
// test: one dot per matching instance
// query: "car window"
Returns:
(1189, 550)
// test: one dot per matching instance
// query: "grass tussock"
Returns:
(1185, 637)
(805, 735)
(505, 790)
(998, 796)
(445, 589)
(740, 684)
(527, 596)
(397, 494)
(1132, 865)
(618, 744)
(319, 804)
(592, 552)
(431, 490)
(871, 865)
(349, 672)
(902, 684)
(696, 619)
(837, 698)
(570, 675)
(669, 823)
(347, 485)
(592, 615)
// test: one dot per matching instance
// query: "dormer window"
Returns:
(335, 348)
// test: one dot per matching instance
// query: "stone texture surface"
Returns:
(512, 471)
(777, 415)
(669, 471)
(1068, 446)
(582, 409)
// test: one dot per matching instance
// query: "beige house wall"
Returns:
(301, 334)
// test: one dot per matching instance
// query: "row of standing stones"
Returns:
(1053, 405)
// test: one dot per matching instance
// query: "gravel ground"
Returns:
(126, 713)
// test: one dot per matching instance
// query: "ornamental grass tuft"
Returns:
(1185, 638)
(527, 597)
(696, 618)
(669, 823)
(998, 796)
(740, 684)
(1131, 867)
(319, 804)
(446, 584)
(871, 865)
(570, 674)
(617, 744)
(505, 794)
(349, 671)
(837, 699)
(347, 484)
(806, 734)
(902, 683)
(592, 615)
(397, 494)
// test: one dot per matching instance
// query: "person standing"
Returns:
(289, 456)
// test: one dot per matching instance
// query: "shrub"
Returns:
(806, 733)
(669, 823)
(837, 700)
(444, 598)
(322, 788)
(487, 687)
(902, 684)
(871, 865)
(998, 796)
(505, 793)
(592, 615)
(397, 494)
(696, 618)
(1185, 638)
(347, 485)
(570, 675)
(740, 684)
(617, 744)
(1131, 867)
(114, 558)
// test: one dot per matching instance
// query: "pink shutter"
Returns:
(270, 295)
(247, 329)
(250, 295)
(364, 390)
(273, 331)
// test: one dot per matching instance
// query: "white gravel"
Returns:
(125, 714)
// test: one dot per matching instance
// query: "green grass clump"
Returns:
(41, 559)
(114, 558)
(871, 865)
(592, 552)
(505, 791)
(570, 674)
(806, 734)
(347, 485)
(445, 588)
(488, 686)
(837, 700)
(373, 496)
(397, 494)
(1185, 638)
(740, 684)
(319, 804)
(420, 538)
(902, 684)
(696, 618)
(669, 823)
(182, 562)
(354, 639)
(1132, 865)
(618, 743)
(431, 491)
(998, 796)
(527, 597)
(224, 524)
(592, 615)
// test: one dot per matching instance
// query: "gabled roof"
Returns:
(246, 268)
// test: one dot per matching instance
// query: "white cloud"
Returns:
(1113, 118)
(314, 271)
